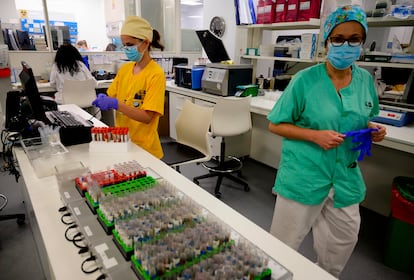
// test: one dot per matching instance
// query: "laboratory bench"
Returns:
(60, 259)
(392, 157)
(47, 88)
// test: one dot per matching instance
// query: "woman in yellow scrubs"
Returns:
(319, 184)
(138, 90)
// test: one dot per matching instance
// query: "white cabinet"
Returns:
(238, 146)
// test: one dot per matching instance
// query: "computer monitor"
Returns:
(10, 39)
(213, 46)
(60, 36)
(32, 93)
(393, 76)
(408, 95)
(24, 40)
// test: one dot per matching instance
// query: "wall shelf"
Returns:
(277, 58)
(386, 64)
(313, 23)
(390, 21)
(319, 60)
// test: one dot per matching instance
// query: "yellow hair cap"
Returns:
(137, 27)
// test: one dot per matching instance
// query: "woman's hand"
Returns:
(328, 139)
(377, 136)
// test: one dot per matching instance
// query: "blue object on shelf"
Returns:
(196, 76)
(394, 118)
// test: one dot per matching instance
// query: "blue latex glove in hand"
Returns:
(363, 137)
(105, 102)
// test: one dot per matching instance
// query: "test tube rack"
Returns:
(138, 184)
(184, 222)
(107, 178)
(109, 140)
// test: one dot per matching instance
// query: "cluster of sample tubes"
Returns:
(169, 232)
(146, 227)
(159, 256)
(129, 169)
(110, 134)
(240, 261)
(135, 203)
(121, 172)
(205, 251)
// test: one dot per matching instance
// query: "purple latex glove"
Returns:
(363, 137)
(105, 102)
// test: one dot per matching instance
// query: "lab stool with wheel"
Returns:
(231, 117)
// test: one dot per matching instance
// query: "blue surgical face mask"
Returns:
(133, 54)
(343, 56)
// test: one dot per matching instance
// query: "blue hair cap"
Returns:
(344, 14)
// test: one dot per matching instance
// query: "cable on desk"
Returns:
(63, 209)
(83, 250)
(76, 235)
(75, 240)
(101, 277)
(91, 258)
(66, 215)
(9, 140)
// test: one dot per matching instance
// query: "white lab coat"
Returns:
(57, 79)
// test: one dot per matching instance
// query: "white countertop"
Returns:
(46, 87)
(399, 138)
(63, 256)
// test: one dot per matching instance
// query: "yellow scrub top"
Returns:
(146, 91)
(307, 172)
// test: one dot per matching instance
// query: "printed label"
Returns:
(292, 7)
(88, 231)
(304, 6)
(77, 211)
(280, 8)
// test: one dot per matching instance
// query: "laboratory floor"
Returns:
(19, 259)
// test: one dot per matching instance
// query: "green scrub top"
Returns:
(307, 172)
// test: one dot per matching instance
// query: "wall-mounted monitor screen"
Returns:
(24, 40)
(60, 35)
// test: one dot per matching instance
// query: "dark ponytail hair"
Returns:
(156, 40)
(66, 59)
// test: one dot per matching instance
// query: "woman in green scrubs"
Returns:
(319, 184)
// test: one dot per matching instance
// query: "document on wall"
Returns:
(100, 59)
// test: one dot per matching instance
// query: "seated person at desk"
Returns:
(137, 92)
(82, 45)
(68, 65)
(110, 47)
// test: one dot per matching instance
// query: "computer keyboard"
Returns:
(66, 119)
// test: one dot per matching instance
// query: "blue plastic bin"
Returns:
(196, 75)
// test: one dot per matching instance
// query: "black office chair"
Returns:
(20, 217)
